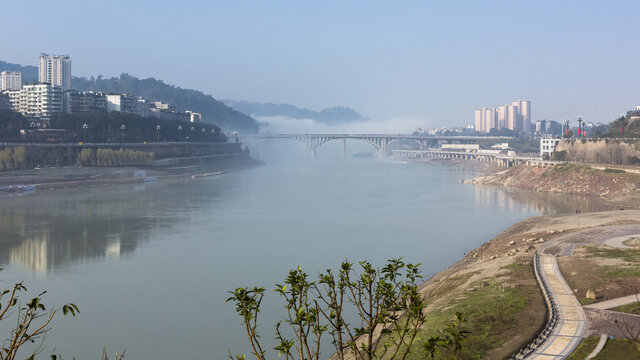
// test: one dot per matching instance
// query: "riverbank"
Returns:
(495, 285)
(618, 187)
(74, 176)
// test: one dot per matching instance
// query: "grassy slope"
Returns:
(616, 349)
(494, 312)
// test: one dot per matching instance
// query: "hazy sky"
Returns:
(431, 62)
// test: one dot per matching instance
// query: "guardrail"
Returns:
(552, 318)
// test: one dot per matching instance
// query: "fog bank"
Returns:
(281, 124)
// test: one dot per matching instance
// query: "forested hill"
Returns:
(212, 110)
(333, 115)
(29, 73)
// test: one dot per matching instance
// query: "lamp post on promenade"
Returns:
(179, 133)
(580, 127)
(122, 129)
(158, 132)
(85, 127)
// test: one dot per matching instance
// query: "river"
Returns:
(150, 265)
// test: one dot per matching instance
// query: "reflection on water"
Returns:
(514, 199)
(53, 229)
(50, 230)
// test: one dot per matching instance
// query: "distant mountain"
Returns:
(212, 110)
(331, 115)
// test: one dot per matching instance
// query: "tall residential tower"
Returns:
(55, 70)
(516, 117)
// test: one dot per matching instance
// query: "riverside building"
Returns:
(194, 117)
(127, 103)
(10, 80)
(55, 70)
(39, 102)
(548, 145)
(78, 102)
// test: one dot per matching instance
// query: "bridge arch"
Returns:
(420, 145)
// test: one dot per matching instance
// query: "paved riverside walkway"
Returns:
(571, 321)
(608, 304)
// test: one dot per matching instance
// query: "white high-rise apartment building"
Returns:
(489, 118)
(513, 118)
(516, 117)
(479, 121)
(55, 70)
(503, 117)
(525, 114)
(10, 80)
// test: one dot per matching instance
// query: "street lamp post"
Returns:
(85, 127)
(158, 132)
(122, 129)
(580, 129)
(193, 132)
(179, 133)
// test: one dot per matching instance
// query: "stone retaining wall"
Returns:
(602, 151)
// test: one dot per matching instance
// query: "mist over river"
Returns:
(150, 265)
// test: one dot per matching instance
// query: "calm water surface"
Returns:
(150, 265)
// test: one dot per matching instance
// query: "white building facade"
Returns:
(39, 102)
(548, 145)
(10, 80)
(516, 117)
(127, 103)
(78, 102)
(55, 70)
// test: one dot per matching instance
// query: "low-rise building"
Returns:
(78, 102)
(461, 147)
(548, 144)
(194, 117)
(14, 99)
(171, 115)
(127, 103)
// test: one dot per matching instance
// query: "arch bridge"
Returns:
(380, 141)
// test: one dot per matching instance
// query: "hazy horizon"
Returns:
(433, 63)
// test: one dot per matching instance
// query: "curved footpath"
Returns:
(567, 321)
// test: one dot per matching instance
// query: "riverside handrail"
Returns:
(552, 318)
